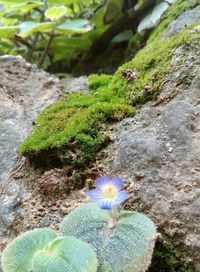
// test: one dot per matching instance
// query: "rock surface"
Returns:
(24, 92)
(75, 84)
(30, 197)
(185, 19)
(157, 153)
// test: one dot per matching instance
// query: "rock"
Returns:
(157, 153)
(24, 92)
(73, 84)
(8, 207)
(53, 182)
(185, 19)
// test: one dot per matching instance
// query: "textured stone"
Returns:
(73, 84)
(158, 154)
(24, 92)
(185, 19)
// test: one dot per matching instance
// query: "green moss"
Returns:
(97, 81)
(141, 78)
(167, 258)
(72, 130)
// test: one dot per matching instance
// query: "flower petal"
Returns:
(121, 197)
(101, 181)
(107, 204)
(118, 183)
(95, 195)
(108, 192)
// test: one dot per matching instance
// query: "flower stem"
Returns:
(115, 213)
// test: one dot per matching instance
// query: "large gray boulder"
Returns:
(24, 92)
(157, 153)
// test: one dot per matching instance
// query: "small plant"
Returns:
(18, 255)
(65, 254)
(123, 240)
(41, 250)
(101, 238)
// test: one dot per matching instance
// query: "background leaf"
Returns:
(76, 26)
(8, 31)
(71, 47)
(55, 13)
(23, 7)
(158, 11)
(123, 36)
(28, 28)
(113, 9)
(153, 18)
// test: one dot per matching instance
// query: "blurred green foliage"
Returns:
(47, 31)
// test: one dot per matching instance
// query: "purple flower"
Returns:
(108, 192)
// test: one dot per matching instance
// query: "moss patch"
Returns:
(167, 258)
(141, 78)
(73, 129)
(98, 81)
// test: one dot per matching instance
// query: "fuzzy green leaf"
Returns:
(65, 254)
(17, 257)
(126, 245)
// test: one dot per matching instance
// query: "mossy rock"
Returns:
(172, 13)
(97, 81)
(74, 129)
(142, 78)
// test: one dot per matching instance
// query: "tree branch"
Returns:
(46, 50)
(19, 39)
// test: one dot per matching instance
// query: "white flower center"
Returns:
(109, 191)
